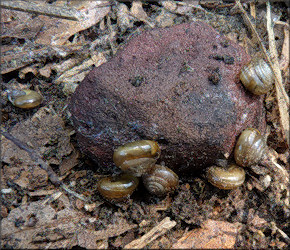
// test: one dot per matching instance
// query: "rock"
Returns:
(178, 86)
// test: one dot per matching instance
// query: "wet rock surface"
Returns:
(178, 86)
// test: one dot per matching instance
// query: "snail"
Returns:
(25, 99)
(226, 178)
(137, 157)
(257, 76)
(251, 149)
(160, 180)
(117, 187)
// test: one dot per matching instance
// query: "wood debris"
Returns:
(20, 56)
(212, 235)
(121, 226)
(164, 226)
(284, 58)
(43, 9)
(282, 97)
(50, 47)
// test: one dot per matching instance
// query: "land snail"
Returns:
(137, 159)
(257, 76)
(117, 187)
(251, 148)
(25, 99)
(160, 180)
(229, 177)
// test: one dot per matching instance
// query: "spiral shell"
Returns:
(25, 99)
(137, 157)
(257, 76)
(226, 178)
(250, 148)
(160, 180)
(117, 187)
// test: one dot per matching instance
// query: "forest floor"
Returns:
(50, 50)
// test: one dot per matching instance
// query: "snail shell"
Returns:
(257, 76)
(117, 187)
(137, 157)
(25, 99)
(250, 148)
(226, 178)
(160, 180)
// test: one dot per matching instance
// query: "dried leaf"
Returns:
(58, 31)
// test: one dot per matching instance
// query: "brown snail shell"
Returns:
(226, 178)
(257, 76)
(121, 186)
(160, 180)
(25, 99)
(137, 157)
(250, 148)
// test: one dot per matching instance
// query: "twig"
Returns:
(34, 156)
(52, 198)
(42, 164)
(264, 50)
(283, 234)
(253, 9)
(284, 58)
(284, 116)
(283, 23)
(154, 233)
(43, 9)
(272, 45)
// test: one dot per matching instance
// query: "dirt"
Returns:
(36, 214)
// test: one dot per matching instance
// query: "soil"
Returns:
(35, 213)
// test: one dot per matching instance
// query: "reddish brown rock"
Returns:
(178, 86)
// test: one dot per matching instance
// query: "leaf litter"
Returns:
(55, 58)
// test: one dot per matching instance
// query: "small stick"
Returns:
(42, 164)
(284, 59)
(283, 234)
(284, 116)
(253, 9)
(34, 156)
(165, 225)
(272, 45)
(43, 9)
